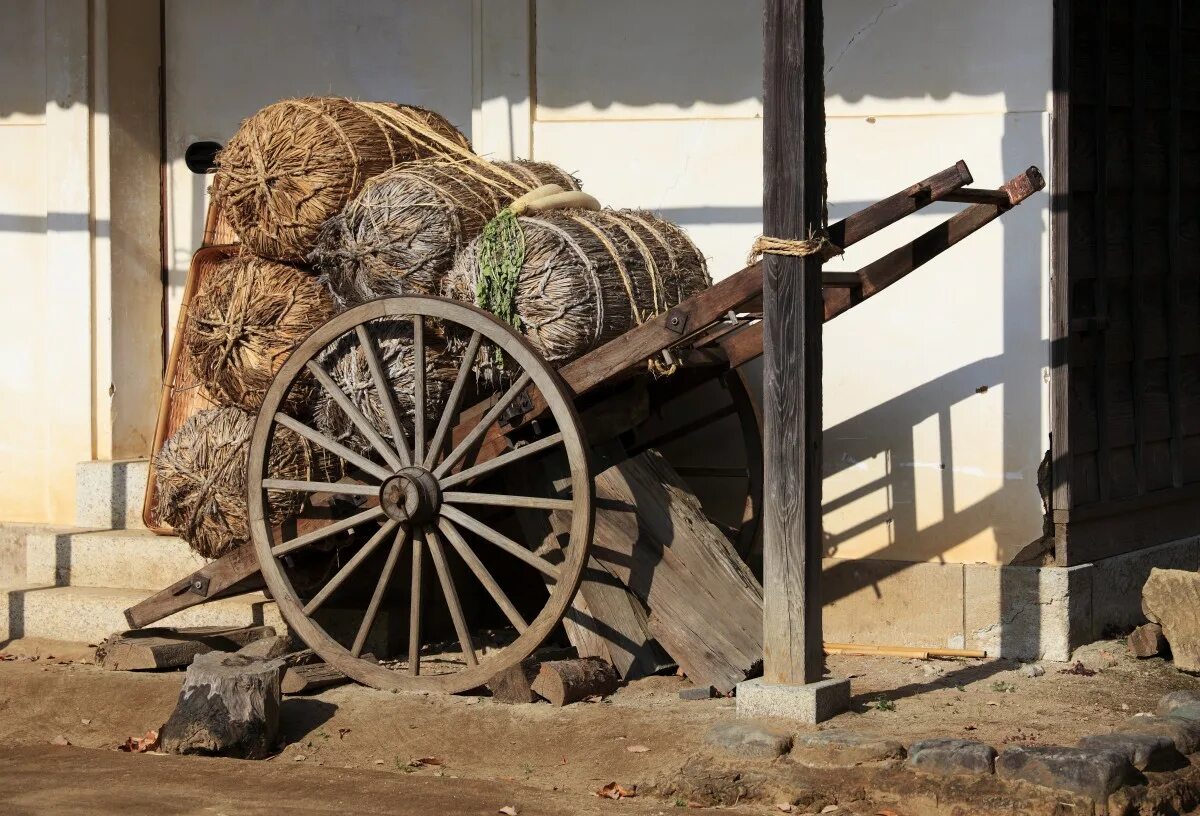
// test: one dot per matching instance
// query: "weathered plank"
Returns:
(705, 605)
(514, 685)
(171, 648)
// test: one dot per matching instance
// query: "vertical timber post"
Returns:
(793, 208)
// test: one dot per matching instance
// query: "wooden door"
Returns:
(1126, 267)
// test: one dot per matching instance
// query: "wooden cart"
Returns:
(454, 481)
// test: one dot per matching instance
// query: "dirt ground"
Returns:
(551, 760)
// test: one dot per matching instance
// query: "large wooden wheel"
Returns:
(415, 493)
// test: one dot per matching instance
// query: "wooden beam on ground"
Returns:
(170, 648)
(793, 205)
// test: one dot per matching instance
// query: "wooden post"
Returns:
(793, 202)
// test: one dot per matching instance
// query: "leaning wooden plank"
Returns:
(232, 573)
(171, 648)
(705, 605)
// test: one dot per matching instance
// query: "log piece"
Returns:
(705, 604)
(228, 706)
(569, 681)
(514, 685)
(173, 648)
(305, 677)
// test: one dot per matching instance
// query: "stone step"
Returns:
(108, 494)
(107, 558)
(90, 614)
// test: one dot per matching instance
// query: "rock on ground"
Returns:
(843, 749)
(1183, 732)
(1170, 598)
(749, 739)
(1173, 700)
(952, 756)
(228, 706)
(1146, 752)
(1146, 641)
(1095, 774)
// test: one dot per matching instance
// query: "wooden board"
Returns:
(182, 395)
(705, 606)
(171, 648)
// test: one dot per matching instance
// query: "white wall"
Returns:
(936, 401)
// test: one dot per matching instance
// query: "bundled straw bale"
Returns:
(297, 162)
(201, 478)
(586, 277)
(400, 235)
(243, 323)
(347, 365)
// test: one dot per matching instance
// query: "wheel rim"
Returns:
(415, 489)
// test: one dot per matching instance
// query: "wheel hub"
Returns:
(412, 495)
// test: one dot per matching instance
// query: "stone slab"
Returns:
(1171, 598)
(109, 494)
(1146, 752)
(810, 703)
(1119, 580)
(949, 756)
(747, 738)
(1094, 774)
(871, 601)
(1027, 613)
(844, 749)
(1183, 732)
(108, 558)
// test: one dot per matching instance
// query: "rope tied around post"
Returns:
(817, 243)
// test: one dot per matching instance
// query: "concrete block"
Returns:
(90, 614)
(1117, 582)
(749, 739)
(809, 703)
(108, 558)
(1027, 613)
(1094, 774)
(871, 601)
(109, 494)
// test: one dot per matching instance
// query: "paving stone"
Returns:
(1146, 752)
(1091, 773)
(1147, 640)
(1173, 700)
(843, 749)
(952, 756)
(1183, 732)
(1171, 597)
(749, 739)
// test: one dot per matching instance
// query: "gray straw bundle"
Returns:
(244, 322)
(347, 365)
(297, 162)
(400, 235)
(586, 277)
(201, 478)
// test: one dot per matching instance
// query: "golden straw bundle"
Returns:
(400, 235)
(297, 162)
(243, 323)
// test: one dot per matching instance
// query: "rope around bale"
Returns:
(817, 243)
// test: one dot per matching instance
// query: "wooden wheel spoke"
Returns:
(418, 368)
(456, 393)
(471, 438)
(328, 530)
(356, 416)
(502, 500)
(385, 578)
(481, 572)
(500, 540)
(350, 566)
(414, 606)
(340, 488)
(386, 398)
(328, 444)
(451, 595)
(502, 460)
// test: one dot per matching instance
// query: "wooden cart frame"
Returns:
(708, 336)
